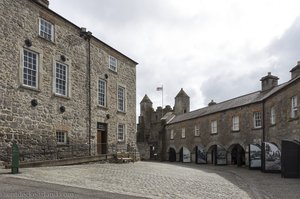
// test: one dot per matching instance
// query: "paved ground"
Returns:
(167, 180)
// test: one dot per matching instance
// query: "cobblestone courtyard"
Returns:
(166, 180)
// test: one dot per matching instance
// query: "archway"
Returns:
(237, 155)
(172, 155)
(200, 155)
(216, 154)
(184, 155)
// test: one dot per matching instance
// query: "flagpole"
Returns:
(162, 101)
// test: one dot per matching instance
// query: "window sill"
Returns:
(212, 134)
(183, 138)
(121, 112)
(30, 88)
(62, 144)
(61, 96)
(121, 142)
(196, 135)
(113, 71)
(50, 41)
(102, 107)
(257, 128)
(171, 138)
(293, 119)
(235, 131)
(272, 125)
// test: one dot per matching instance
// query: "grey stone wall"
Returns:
(32, 127)
(285, 127)
(224, 137)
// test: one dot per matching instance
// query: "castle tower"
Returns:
(182, 103)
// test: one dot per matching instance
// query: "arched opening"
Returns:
(172, 155)
(216, 154)
(184, 155)
(237, 155)
(201, 155)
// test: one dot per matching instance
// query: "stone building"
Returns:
(223, 133)
(61, 86)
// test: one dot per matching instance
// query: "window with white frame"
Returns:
(257, 121)
(46, 30)
(183, 133)
(112, 65)
(214, 127)
(61, 137)
(172, 134)
(102, 92)
(197, 131)
(121, 132)
(294, 107)
(121, 98)
(30, 68)
(272, 116)
(235, 123)
(61, 79)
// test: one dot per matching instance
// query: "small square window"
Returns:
(46, 30)
(61, 137)
(112, 65)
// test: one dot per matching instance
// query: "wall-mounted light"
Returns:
(62, 109)
(107, 116)
(106, 76)
(63, 58)
(28, 43)
(34, 102)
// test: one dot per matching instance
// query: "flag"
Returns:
(159, 88)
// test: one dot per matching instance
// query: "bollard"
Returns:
(15, 159)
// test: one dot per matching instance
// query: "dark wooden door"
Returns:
(101, 142)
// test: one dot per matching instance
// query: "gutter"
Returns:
(87, 36)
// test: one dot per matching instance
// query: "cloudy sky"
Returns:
(213, 49)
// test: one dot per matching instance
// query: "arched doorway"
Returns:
(172, 155)
(201, 155)
(237, 155)
(216, 154)
(184, 155)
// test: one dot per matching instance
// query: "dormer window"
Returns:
(46, 29)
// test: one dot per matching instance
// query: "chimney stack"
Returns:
(295, 72)
(43, 2)
(268, 82)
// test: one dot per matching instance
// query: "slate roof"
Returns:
(232, 103)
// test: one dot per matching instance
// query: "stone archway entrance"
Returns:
(237, 155)
(172, 155)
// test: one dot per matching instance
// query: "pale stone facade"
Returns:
(32, 115)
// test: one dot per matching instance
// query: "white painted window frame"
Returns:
(257, 120)
(64, 137)
(273, 116)
(294, 107)
(111, 65)
(67, 79)
(23, 68)
(124, 98)
(214, 127)
(52, 29)
(172, 134)
(123, 133)
(105, 93)
(183, 133)
(197, 131)
(235, 123)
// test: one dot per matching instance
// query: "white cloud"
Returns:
(213, 49)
